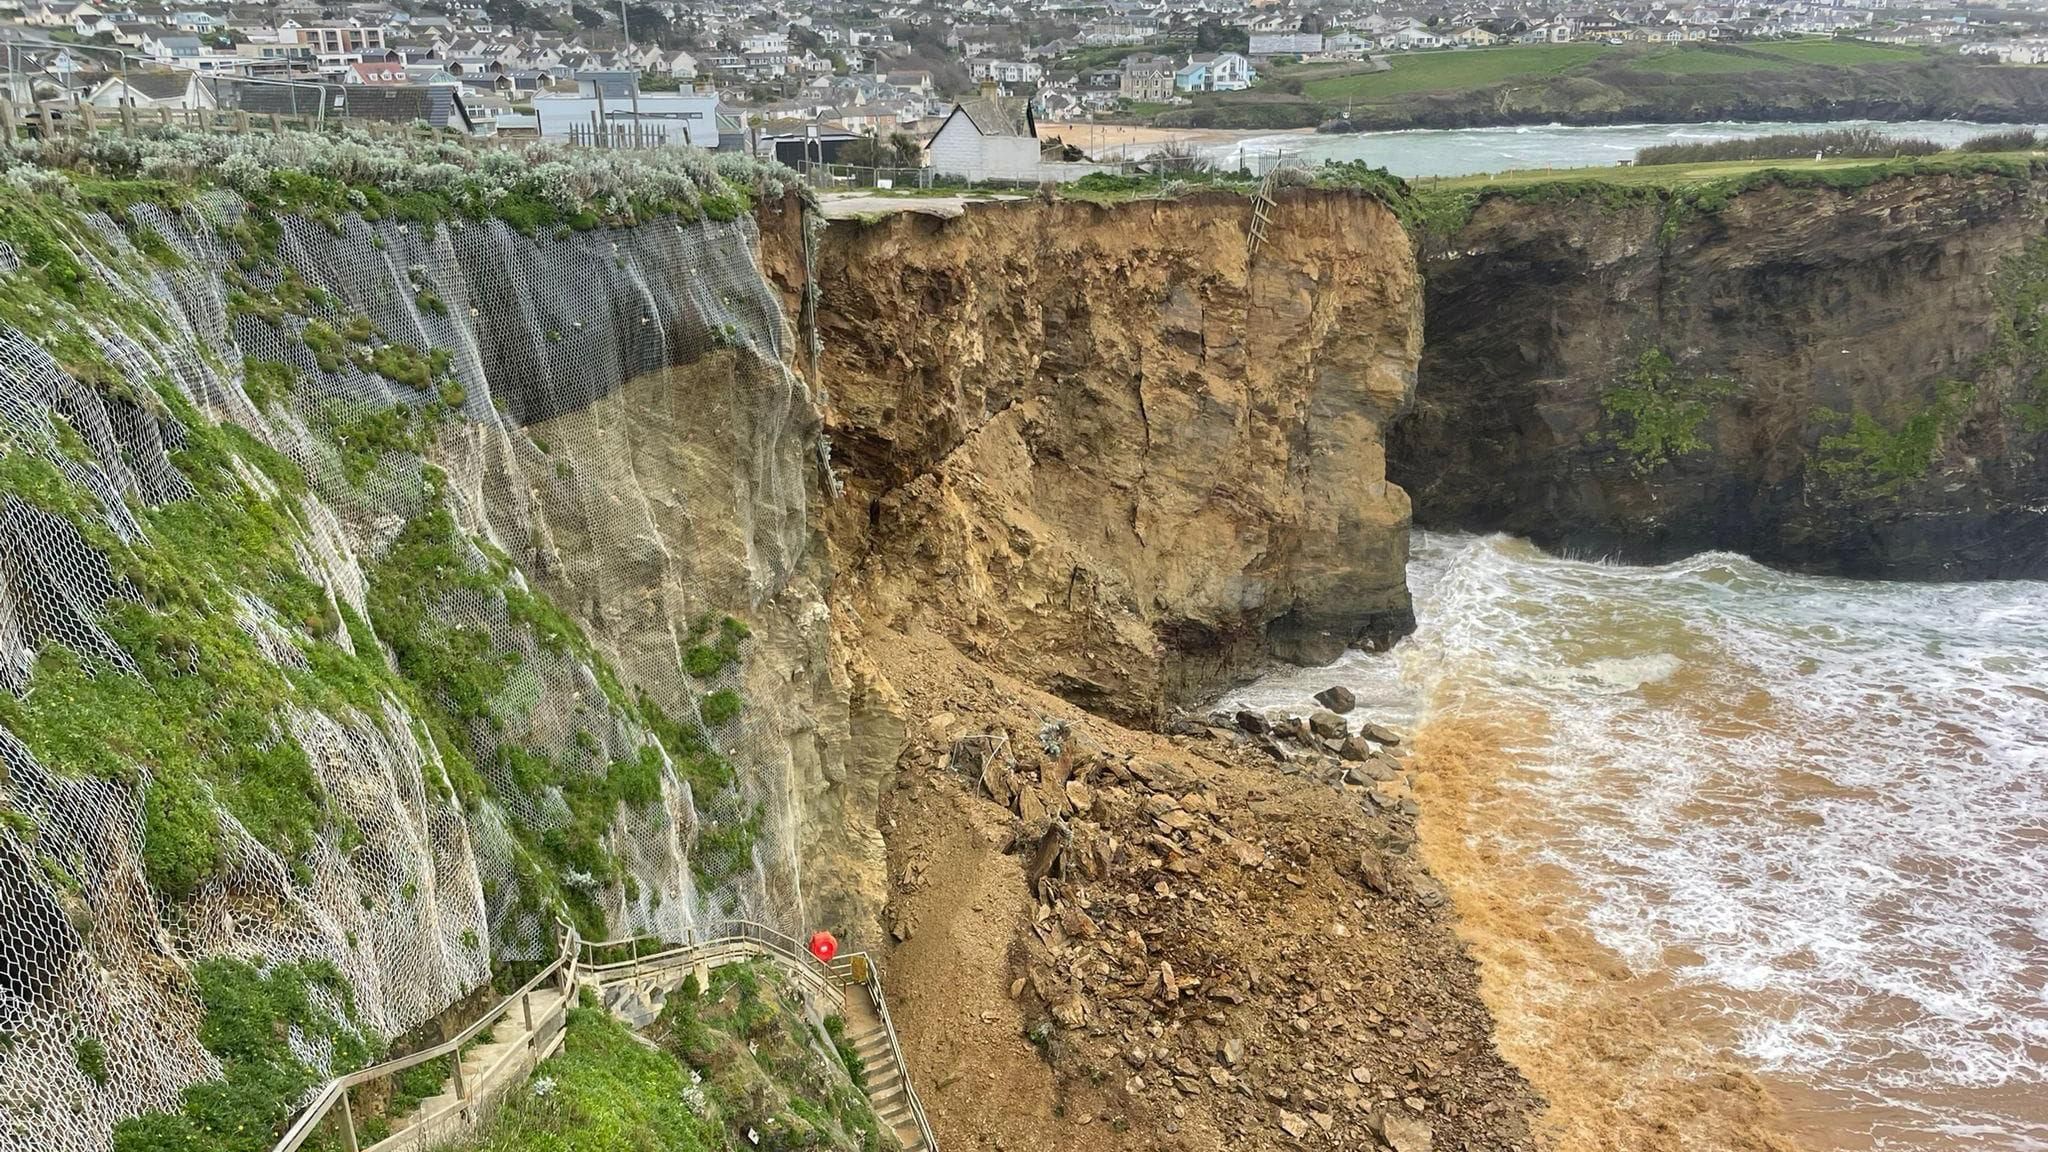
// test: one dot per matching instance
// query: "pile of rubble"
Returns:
(1234, 946)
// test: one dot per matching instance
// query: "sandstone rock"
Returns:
(1372, 872)
(1378, 734)
(1253, 723)
(1354, 748)
(1293, 1125)
(1337, 698)
(1231, 1052)
(1079, 796)
(1327, 726)
(1402, 1133)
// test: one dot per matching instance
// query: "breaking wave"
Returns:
(1811, 813)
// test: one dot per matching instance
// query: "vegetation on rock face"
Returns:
(540, 188)
(187, 706)
(736, 1066)
(1661, 411)
(261, 1080)
(1872, 460)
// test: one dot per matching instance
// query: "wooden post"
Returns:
(163, 113)
(90, 116)
(43, 109)
(6, 121)
(348, 1124)
(127, 118)
(461, 1084)
(242, 121)
(276, 124)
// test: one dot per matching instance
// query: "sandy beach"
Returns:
(1123, 140)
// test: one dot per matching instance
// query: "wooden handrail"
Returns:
(336, 1090)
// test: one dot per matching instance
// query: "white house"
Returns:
(1006, 71)
(179, 89)
(1214, 72)
(986, 138)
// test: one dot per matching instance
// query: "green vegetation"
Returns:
(1871, 460)
(91, 1055)
(720, 707)
(849, 1056)
(605, 1093)
(1790, 146)
(1661, 411)
(1837, 53)
(708, 655)
(2012, 140)
(1437, 71)
(1599, 83)
(246, 1009)
(2022, 340)
(762, 1066)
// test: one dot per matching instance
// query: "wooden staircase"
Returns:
(481, 1065)
(1263, 205)
(887, 1081)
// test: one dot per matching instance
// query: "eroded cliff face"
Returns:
(1112, 452)
(1840, 381)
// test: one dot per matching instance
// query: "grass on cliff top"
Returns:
(1444, 205)
(1461, 69)
(1454, 68)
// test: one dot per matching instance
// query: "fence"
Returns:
(539, 1033)
(50, 119)
(863, 176)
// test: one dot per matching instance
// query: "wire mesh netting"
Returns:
(607, 421)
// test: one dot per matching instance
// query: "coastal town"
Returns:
(978, 90)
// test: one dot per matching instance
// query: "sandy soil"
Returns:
(1225, 952)
(1136, 140)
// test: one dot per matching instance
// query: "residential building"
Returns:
(178, 88)
(1006, 71)
(1286, 43)
(1147, 78)
(340, 39)
(987, 138)
(1214, 72)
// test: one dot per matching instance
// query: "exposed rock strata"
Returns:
(1103, 450)
(1814, 306)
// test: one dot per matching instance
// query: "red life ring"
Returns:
(824, 946)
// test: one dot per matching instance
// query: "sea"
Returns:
(1474, 151)
(1749, 859)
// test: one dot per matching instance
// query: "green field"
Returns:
(1707, 60)
(1686, 175)
(1453, 69)
(1837, 53)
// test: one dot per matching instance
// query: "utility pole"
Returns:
(625, 29)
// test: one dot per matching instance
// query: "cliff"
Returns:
(402, 548)
(1833, 378)
(1110, 451)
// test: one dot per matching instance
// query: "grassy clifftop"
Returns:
(1598, 83)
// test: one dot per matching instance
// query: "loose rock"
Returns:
(1328, 725)
(1337, 698)
(1378, 734)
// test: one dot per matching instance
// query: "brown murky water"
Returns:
(1751, 861)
